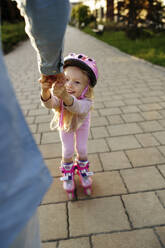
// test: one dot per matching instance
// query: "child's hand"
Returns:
(46, 82)
(59, 90)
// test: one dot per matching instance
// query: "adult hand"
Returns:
(51, 79)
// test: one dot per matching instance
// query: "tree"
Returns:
(110, 10)
(133, 10)
(81, 15)
(155, 12)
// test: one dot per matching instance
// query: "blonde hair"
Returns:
(67, 115)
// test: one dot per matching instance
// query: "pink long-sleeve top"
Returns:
(80, 107)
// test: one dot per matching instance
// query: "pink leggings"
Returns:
(80, 143)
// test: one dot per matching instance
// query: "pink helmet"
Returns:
(84, 63)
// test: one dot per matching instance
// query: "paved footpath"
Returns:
(126, 151)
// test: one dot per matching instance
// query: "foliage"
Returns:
(133, 12)
(155, 11)
(140, 13)
(150, 48)
(81, 15)
(12, 34)
(109, 26)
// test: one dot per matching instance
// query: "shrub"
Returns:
(12, 34)
(81, 15)
(138, 33)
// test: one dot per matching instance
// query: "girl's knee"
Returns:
(82, 152)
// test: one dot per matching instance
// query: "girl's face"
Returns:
(76, 80)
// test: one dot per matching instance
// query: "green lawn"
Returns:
(151, 49)
(12, 34)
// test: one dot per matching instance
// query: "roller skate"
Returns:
(84, 175)
(67, 170)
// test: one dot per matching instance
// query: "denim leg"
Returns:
(29, 237)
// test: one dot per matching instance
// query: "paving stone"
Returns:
(96, 122)
(161, 232)
(151, 115)
(55, 193)
(162, 122)
(162, 169)
(35, 112)
(99, 132)
(97, 145)
(116, 97)
(134, 101)
(139, 179)
(114, 103)
(162, 104)
(162, 149)
(75, 243)
(25, 113)
(28, 106)
(90, 135)
(30, 119)
(138, 239)
(147, 139)
(53, 166)
(95, 113)
(95, 164)
(43, 118)
(37, 137)
(150, 99)
(130, 109)
(104, 183)
(160, 136)
(142, 206)
(132, 117)
(33, 128)
(49, 245)
(114, 160)
(155, 93)
(161, 195)
(98, 105)
(97, 215)
(50, 216)
(115, 119)
(162, 112)
(145, 156)
(51, 137)
(124, 129)
(150, 106)
(51, 150)
(109, 111)
(151, 126)
(43, 127)
(123, 143)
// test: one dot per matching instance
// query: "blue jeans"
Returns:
(24, 178)
(29, 237)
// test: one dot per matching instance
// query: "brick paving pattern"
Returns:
(126, 151)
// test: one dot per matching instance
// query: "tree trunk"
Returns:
(110, 10)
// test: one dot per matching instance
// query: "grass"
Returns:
(12, 34)
(151, 49)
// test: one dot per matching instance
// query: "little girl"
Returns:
(71, 104)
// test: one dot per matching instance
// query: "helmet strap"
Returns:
(84, 92)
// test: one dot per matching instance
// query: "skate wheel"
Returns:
(88, 191)
(71, 196)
